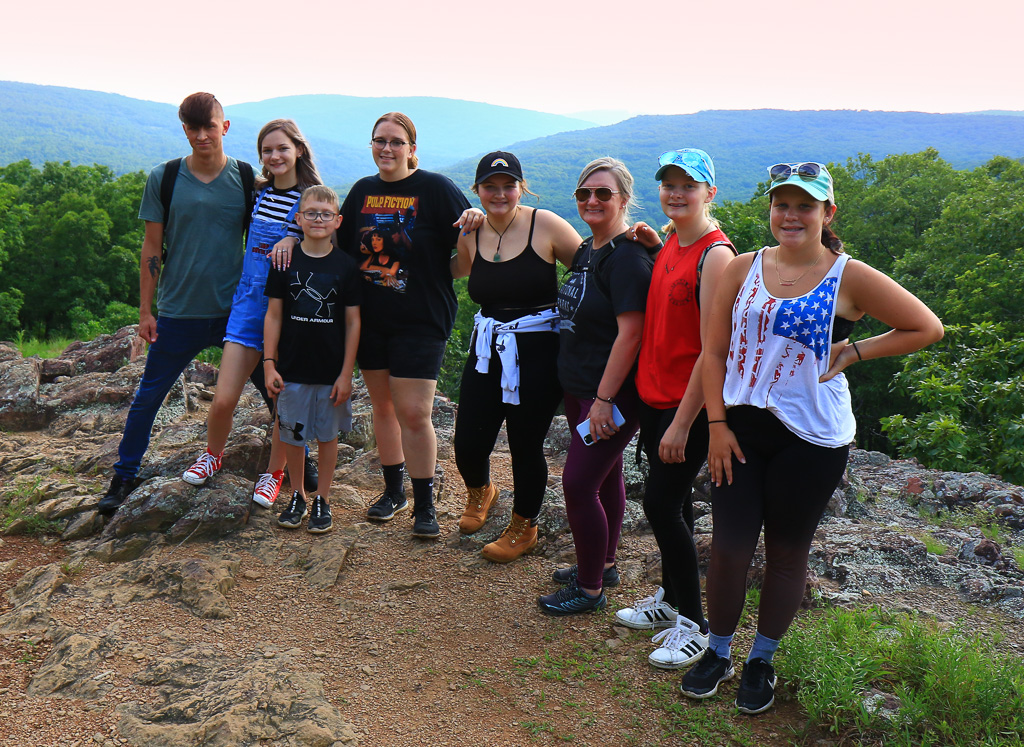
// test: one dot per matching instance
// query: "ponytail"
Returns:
(830, 240)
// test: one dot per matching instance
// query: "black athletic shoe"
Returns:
(609, 578)
(571, 600)
(320, 517)
(387, 505)
(310, 475)
(757, 687)
(119, 490)
(291, 517)
(425, 523)
(703, 679)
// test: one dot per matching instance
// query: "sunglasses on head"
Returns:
(807, 171)
(685, 156)
(602, 193)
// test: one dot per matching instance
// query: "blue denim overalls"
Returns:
(249, 306)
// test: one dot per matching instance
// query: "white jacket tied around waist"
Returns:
(780, 348)
(503, 334)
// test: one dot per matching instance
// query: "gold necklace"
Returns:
(680, 248)
(797, 279)
(501, 234)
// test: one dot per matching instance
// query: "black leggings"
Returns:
(784, 486)
(481, 413)
(668, 505)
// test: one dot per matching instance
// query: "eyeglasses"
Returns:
(380, 143)
(322, 215)
(602, 193)
(807, 171)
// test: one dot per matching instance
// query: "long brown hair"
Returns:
(305, 168)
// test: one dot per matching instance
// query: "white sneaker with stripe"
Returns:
(649, 613)
(678, 646)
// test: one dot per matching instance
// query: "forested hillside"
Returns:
(744, 143)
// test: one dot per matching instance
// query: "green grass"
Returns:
(683, 722)
(953, 686)
(933, 545)
(18, 503)
(1018, 555)
(43, 348)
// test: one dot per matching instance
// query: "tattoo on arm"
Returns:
(154, 266)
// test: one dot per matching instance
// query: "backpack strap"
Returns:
(166, 193)
(248, 183)
(703, 256)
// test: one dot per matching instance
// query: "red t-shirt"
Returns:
(671, 338)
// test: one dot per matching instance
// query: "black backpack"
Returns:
(167, 192)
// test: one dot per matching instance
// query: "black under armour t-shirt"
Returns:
(315, 291)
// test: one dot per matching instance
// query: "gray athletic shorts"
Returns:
(305, 413)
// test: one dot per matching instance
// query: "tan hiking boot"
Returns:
(478, 503)
(519, 537)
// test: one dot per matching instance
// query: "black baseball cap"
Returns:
(498, 162)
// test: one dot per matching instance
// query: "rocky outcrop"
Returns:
(892, 525)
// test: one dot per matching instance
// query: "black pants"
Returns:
(481, 413)
(668, 505)
(784, 487)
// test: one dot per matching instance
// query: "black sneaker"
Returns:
(757, 687)
(609, 578)
(310, 475)
(703, 679)
(425, 523)
(387, 505)
(291, 517)
(320, 517)
(571, 600)
(120, 488)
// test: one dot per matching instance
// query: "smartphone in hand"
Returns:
(584, 428)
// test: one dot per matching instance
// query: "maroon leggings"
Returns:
(595, 496)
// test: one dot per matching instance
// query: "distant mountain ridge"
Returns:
(44, 123)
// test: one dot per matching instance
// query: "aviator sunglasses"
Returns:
(601, 193)
(807, 171)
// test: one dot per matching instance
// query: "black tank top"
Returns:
(510, 289)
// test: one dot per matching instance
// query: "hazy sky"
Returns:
(644, 56)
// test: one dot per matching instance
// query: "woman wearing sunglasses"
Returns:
(601, 307)
(673, 423)
(511, 372)
(408, 310)
(779, 411)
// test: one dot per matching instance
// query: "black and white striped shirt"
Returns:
(275, 206)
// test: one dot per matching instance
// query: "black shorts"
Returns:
(406, 356)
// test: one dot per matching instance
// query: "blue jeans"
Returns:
(178, 342)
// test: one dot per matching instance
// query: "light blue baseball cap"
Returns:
(693, 161)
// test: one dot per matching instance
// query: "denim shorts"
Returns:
(248, 307)
(305, 413)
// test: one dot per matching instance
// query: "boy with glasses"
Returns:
(310, 337)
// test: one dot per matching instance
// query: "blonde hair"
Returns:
(305, 169)
(622, 178)
(319, 193)
(406, 124)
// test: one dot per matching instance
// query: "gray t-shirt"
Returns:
(204, 241)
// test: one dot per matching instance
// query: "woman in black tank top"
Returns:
(510, 261)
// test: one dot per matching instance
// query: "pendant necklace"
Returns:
(501, 234)
(799, 277)
(679, 252)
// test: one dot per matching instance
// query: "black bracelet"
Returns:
(717, 421)
(854, 344)
(272, 360)
(609, 400)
